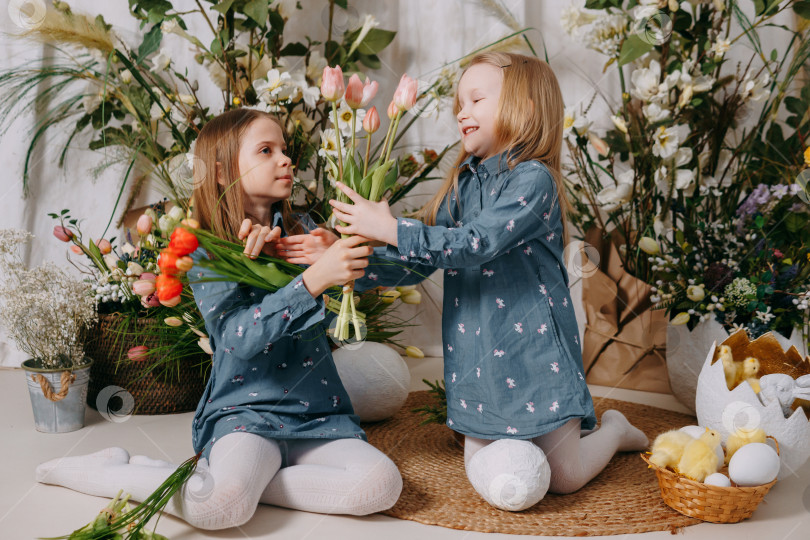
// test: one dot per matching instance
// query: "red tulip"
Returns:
(62, 233)
(167, 287)
(371, 122)
(183, 241)
(354, 92)
(405, 94)
(139, 353)
(104, 246)
(332, 83)
(167, 262)
(144, 224)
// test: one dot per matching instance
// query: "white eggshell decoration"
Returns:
(718, 479)
(376, 378)
(695, 432)
(685, 352)
(725, 410)
(754, 464)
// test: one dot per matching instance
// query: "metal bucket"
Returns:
(66, 414)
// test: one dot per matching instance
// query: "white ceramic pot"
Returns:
(725, 410)
(376, 378)
(686, 352)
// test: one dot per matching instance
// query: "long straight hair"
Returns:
(219, 205)
(528, 122)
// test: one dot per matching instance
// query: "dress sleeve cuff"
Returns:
(408, 233)
(299, 299)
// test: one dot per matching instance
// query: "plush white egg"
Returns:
(718, 479)
(754, 464)
(695, 432)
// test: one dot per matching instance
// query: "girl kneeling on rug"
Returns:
(512, 358)
(275, 424)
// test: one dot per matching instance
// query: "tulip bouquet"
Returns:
(371, 179)
(264, 272)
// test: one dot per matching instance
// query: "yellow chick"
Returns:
(740, 438)
(700, 458)
(749, 371)
(667, 448)
(730, 367)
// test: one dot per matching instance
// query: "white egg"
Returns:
(717, 479)
(754, 464)
(695, 432)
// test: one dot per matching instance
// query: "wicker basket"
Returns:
(153, 393)
(707, 502)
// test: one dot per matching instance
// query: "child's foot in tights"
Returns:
(74, 471)
(631, 439)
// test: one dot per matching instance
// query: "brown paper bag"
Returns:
(624, 344)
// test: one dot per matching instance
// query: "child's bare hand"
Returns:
(305, 248)
(370, 219)
(259, 239)
(342, 262)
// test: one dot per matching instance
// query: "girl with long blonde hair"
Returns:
(512, 357)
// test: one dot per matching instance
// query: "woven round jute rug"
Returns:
(624, 498)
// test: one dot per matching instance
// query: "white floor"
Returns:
(30, 510)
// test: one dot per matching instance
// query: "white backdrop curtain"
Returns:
(430, 33)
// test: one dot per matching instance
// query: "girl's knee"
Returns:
(221, 505)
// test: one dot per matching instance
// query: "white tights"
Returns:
(573, 461)
(342, 476)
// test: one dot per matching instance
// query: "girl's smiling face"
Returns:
(479, 91)
(266, 172)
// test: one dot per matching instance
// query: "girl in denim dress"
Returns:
(275, 424)
(512, 358)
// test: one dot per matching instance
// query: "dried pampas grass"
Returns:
(61, 27)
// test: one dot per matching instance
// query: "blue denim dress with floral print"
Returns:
(512, 357)
(273, 372)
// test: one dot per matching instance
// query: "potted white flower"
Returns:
(47, 313)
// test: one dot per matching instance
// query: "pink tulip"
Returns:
(62, 233)
(136, 354)
(143, 287)
(371, 122)
(600, 145)
(144, 225)
(369, 91)
(150, 301)
(392, 110)
(405, 94)
(76, 249)
(184, 264)
(332, 83)
(354, 92)
(171, 302)
(148, 275)
(104, 246)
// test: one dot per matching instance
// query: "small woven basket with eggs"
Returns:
(693, 480)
